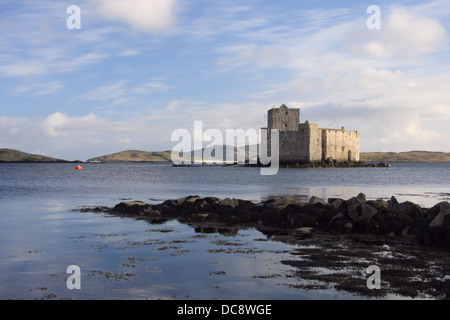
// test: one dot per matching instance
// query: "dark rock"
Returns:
(340, 224)
(393, 206)
(272, 217)
(130, 208)
(292, 208)
(435, 227)
(404, 218)
(283, 202)
(230, 202)
(411, 209)
(300, 220)
(321, 213)
(365, 226)
(440, 219)
(392, 228)
(247, 214)
(247, 204)
(339, 205)
(407, 213)
(336, 202)
(380, 205)
(314, 200)
(186, 205)
(226, 207)
(167, 211)
(208, 204)
(354, 207)
(361, 198)
(367, 212)
(187, 200)
(171, 203)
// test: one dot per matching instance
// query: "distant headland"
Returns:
(165, 156)
(410, 156)
(11, 155)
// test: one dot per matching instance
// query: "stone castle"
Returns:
(307, 143)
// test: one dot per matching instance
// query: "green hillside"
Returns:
(11, 155)
(165, 156)
(135, 155)
(410, 156)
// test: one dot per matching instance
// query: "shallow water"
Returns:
(121, 258)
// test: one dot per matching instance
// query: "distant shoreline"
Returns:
(15, 156)
(42, 161)
(367, 164)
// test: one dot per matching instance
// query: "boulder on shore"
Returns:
(434, 229)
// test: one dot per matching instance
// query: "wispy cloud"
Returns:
(142, 15)
(122, 90)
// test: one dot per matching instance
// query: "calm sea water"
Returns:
(121, 258)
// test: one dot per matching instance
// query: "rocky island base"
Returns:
(335, 241)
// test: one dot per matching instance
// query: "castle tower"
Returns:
(283, 118)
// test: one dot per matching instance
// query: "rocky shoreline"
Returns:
(334, 240)
(357, 215)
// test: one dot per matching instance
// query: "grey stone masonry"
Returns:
(306, 142)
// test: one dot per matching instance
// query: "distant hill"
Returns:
(11, 155)
(135, 155)
(165, 156)
(159, 156)
(410, 156)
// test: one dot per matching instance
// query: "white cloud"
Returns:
(61, 125)
(405, 34)
(142, 15)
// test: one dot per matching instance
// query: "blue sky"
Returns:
(139, 69)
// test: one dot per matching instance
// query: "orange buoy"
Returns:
(78, 167)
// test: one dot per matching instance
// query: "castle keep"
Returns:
(306, 142)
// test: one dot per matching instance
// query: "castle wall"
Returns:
(293, 147)
(315, 143)
(310, 140)
(340, 145)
